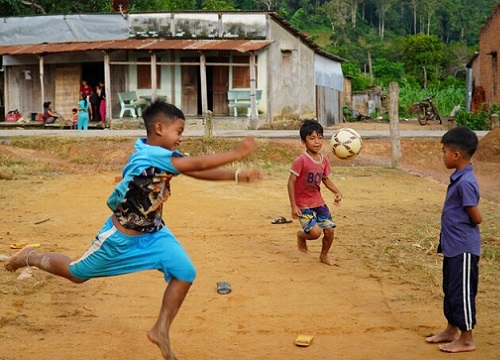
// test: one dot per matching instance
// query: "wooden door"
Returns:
(67, 88)
(241, 74)
(190, 90)
(220, 87)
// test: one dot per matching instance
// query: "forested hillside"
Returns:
(419, 43)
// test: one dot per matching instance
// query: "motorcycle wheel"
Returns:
(438, 118)
(422, 118)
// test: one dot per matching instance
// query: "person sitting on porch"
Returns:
(49, 115)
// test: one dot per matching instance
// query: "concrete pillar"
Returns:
(394, 124)
(494, 121)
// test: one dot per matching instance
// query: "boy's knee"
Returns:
(315, 232)
(329, 232)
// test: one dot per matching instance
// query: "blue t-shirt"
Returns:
(138, 198)
(458, 233)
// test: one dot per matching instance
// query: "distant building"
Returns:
(483, 72)
(193, 59)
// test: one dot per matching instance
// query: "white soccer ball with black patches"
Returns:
(346, 144)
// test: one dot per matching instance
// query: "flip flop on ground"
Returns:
(281, 220)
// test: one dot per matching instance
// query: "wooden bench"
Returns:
(130, 102)
(241, 98)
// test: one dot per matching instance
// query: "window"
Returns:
(241, 74)
(144, 74)
(286, 62)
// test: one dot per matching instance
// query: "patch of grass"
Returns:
(491, 256)
(84, 160)
(9, 161)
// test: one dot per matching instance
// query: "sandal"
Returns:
(281, 220)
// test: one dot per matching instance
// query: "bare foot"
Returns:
(442, 337)
(324, 258)
(163, 344)
(301, 244)
(19, 259)
(458, 346)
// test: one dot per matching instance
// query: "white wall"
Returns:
(297, 99)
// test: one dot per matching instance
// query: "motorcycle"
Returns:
(426, 110)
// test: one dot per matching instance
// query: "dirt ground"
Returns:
(380, 303)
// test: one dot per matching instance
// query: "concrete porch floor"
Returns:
(129, 123)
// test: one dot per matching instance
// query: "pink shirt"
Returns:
(310, 174)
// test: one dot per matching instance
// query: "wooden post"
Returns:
(494, 121)
(253, 93)
(107, 89)
(208, 136)
(42, 87)
(394, 124)
(204, 91)
(209, 126)
(154, 77)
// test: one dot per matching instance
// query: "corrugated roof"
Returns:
(242, 46)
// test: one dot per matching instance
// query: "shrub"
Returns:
(478, 121)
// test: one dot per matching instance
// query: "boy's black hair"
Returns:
(74, 110)
(308, 127)
(462, 138)
(160, 107)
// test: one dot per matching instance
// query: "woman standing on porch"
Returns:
(83, 113)
(101, 92)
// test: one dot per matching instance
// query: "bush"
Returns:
(478, 121)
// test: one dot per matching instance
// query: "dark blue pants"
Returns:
(460, 279)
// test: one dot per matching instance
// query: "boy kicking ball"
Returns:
(134, 237)
(308, 171)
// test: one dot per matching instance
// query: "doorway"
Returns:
(217, 85)
(93, 73)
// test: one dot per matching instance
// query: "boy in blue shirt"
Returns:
(459, 242)
(135, 237)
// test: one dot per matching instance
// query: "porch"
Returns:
(130, 123)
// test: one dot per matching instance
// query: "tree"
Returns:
(354, 11)
(423, 57)
(216, 5)
(382, 7)
(269, 4)
(31, 7)
(414, 7)
(337, 13)
(430, 8)
(176, 5)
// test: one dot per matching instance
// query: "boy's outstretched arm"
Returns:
(204, 162)
(244, 176)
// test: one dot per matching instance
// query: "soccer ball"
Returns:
(346, 144)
